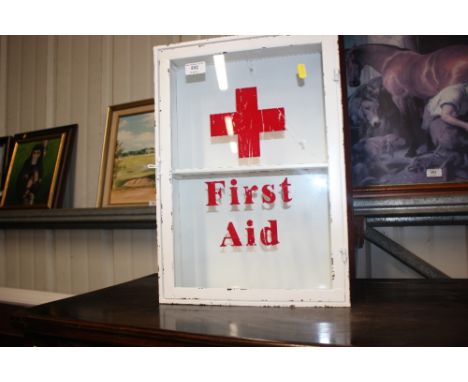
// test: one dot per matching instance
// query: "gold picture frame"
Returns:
(38, 168)
(5, 145)
(124, 177)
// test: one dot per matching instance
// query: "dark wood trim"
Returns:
(10, 335)
(80, 218)
(417, 190)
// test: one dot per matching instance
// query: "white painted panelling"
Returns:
(63, 83)
(26, 259)
(444, 247)
(40, 82)
(3, 83)
(79, 68)
(79, 261)
(143, 242)
(122, 256)
(48, 81)
(441, 246)
(384, 266)
(63, 255)
(121, 66)
(100, 259)
(44, 260)
(12, 250)
(50, 100)
(28, 84)
(95, 119)
(140, 65)
(14, 80)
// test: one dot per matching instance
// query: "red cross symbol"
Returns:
(247, 122)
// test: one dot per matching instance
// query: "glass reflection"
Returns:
(324, 330)
(221, 74)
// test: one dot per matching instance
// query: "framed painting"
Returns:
(126, 176)
(406, 113)
(4, 159)
(38, 166)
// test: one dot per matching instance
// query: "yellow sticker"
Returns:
(301, 71)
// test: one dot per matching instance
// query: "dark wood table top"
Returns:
(383, 313)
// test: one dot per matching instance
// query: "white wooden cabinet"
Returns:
(251, 201)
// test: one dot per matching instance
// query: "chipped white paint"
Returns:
(338, 292)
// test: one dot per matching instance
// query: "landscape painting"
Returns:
(128, 150)
(132, 180)
(407, 102)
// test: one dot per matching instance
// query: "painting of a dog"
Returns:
(407, 126)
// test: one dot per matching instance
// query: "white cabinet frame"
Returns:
(338, 294)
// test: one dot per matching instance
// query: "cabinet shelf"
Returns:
(250, 169)
(80, 218)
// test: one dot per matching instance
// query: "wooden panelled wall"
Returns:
(48, 81)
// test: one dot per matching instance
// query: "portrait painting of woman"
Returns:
(30, 177)
(35, 173)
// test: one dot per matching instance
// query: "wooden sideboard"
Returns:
(384, 313)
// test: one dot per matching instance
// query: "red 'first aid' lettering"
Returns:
(268, 235)
(216, 190)
(213, 191)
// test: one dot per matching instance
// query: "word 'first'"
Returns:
(215, 192)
